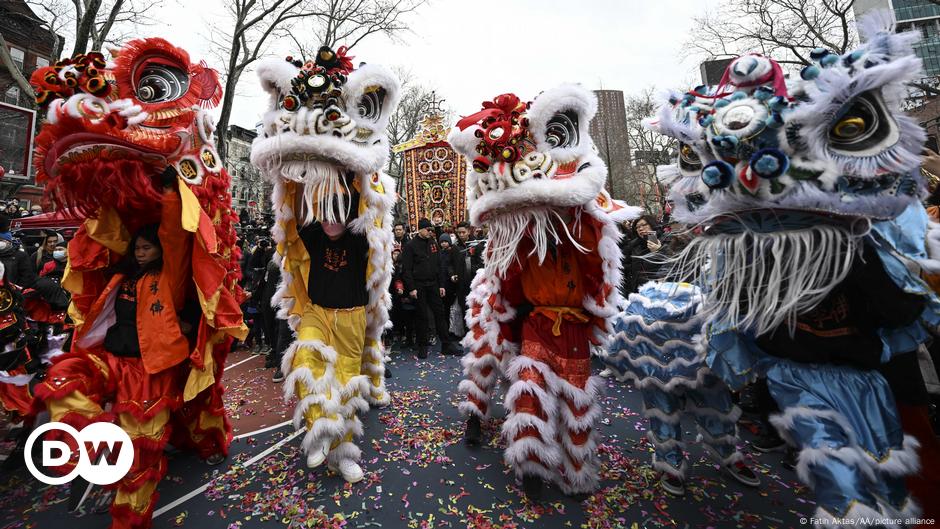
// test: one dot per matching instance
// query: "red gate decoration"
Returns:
(435, 176)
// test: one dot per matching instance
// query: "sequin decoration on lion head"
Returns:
(126, 118)
(788, 177)
(834, 142)
(326, 119)
(527, 155)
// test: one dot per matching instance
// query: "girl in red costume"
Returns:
(132, 351)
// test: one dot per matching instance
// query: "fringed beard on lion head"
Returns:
(532, 163)
(787, 177)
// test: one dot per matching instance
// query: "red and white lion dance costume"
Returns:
(548, 287)
(113, 128)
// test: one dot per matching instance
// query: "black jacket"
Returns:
(476, 249)
(272, 279)
(463, 267)
(422, 265)
(19, 270)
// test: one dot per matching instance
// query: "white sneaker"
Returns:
(349, 469)
(317, 455)
(607, 373)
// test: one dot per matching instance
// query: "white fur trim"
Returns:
(663, 466)
(567, 97)
(345, 450)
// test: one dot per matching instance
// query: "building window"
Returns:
(12, 96)
(42, 62)
(18, 56)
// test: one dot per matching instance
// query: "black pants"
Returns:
(284, 338)
(429, 300)
(269, 323)
(403, 322)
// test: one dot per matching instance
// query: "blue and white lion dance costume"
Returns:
(659, 344)
(810, 261)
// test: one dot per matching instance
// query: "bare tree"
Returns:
(253, 22)
(334, 22)
(404, 123)
(55, 14)
(349, 22)
(91, 24)
(783, 29)
(18, 75)
(649, 150)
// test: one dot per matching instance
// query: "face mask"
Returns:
(58, 255)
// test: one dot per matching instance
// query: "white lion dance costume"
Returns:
(548, 286)
(324, 146)
(810, 259)
(660, 345)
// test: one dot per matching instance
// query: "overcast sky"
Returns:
(473, 50)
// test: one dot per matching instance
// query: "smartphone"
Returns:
(652, 238)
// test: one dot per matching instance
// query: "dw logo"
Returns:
(105, 453)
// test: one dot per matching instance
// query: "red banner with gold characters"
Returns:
(435, 176)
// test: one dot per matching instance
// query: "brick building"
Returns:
(31, 45)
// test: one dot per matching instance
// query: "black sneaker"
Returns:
(672, 484)
(768, 441)
(388, 371)
(422, 352)
(532, 487)
(791, 459)
(451, 349)
(215, 459)
(474, 431)
(278, 376)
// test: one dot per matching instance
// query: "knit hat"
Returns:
(445, 237)
(423, 224)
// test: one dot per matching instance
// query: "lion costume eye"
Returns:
(370, 104)
(863, 127)
(159, 83)
(689, 160)
(562, 130)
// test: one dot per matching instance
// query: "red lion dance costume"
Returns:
(549, 284)
(116, 133)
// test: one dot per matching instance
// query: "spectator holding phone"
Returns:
(639, 255)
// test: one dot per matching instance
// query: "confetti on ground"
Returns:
(420, 474)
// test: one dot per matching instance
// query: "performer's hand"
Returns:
(400, 292)
(414, 294)
(168, 176)
(654, 246)
(931, 162)
(453, 279)
(443, 292)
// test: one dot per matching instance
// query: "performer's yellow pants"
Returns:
(342, 332)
